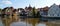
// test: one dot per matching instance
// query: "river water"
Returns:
(27, 22)
(20, 22)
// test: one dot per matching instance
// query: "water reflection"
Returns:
(24, 22)
(1, 24)
(20, 22)
(32, 21)
(6, 22)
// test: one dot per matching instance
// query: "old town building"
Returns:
(44, 11)
(54, 11)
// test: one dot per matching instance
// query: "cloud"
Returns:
(7, 2)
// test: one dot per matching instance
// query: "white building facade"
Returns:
(54, 11)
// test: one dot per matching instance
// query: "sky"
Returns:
(24, 3)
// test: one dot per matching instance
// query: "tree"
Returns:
(0, 11)
(33, 12)
(38, 14)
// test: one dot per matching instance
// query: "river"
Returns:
(26, 22)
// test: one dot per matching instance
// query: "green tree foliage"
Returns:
(0, 9)
(33, 12)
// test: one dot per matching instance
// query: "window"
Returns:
(58, 15)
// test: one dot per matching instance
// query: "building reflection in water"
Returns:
(32, 21)
(25, 22)
(8, 21)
